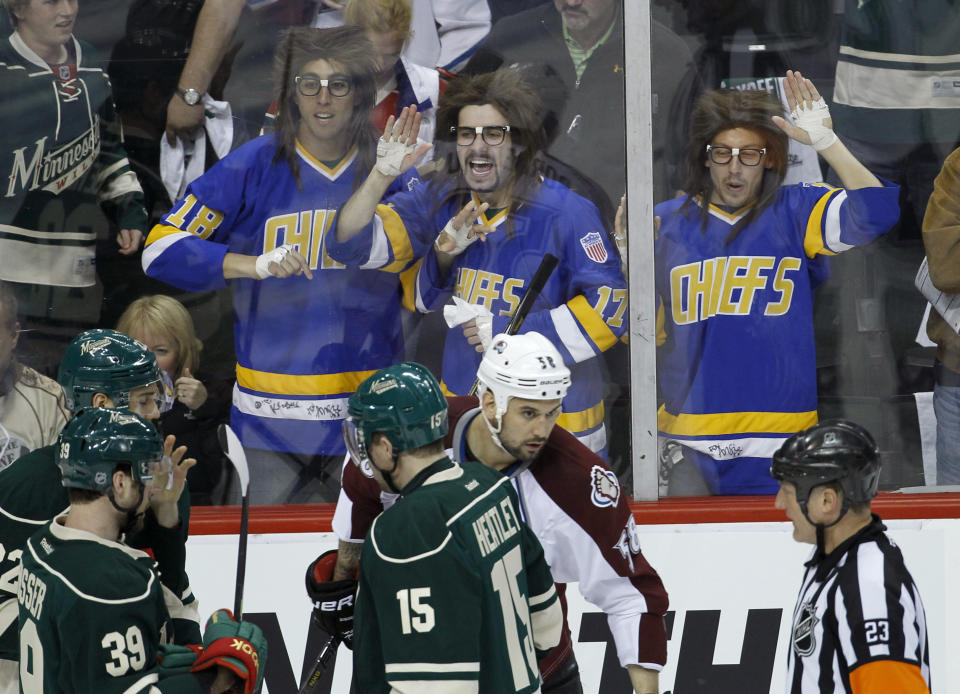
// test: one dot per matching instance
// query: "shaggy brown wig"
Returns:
(726, 109)
(348, 49)
(507, 91)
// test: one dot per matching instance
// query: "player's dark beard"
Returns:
(521, 453)
(135, 520)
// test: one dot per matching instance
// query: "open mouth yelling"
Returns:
(480, 167)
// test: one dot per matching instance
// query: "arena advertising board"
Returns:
(732, 589)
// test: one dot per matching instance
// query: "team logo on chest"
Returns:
(593, 246)
(804, 639)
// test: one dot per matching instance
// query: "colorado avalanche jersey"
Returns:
(574, 505)
(737, 369)
(302, 345)
(581, 310)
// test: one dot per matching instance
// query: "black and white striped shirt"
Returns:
(859, 624)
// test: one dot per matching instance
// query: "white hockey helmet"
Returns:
(522, 366)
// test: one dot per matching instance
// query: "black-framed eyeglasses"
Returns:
(309, 85)
(493, 135)
(748, 156)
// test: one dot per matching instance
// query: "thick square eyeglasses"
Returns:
(308, 85)
(748, 156)
(493, 135)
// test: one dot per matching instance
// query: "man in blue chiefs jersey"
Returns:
(308, 330)
(488, 187)
(737, 261)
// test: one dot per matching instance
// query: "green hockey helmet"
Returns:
(97, 440)
(404, 402)
(106, 361)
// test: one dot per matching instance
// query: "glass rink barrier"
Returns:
(639, 246)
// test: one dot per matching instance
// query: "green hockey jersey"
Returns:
(31, 493)
(454, 593)
(92, 614)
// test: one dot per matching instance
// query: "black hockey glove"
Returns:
(332, 600)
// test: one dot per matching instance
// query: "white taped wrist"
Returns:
(485, 330)
(811, 120)
(390, 156)
(275, 256)
(459, 236)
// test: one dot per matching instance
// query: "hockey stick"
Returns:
(536, 286)
(329, 648)
(234, 451)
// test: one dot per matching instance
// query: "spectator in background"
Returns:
(63, 160)
(490, 125)
(166, 328)
(399, 82)
(904, 130)
(307, 330)
(444, 33)
(737, 263)
(941, 237)
(581, 41)
(897, 107)
(215, 27)
(32, 408)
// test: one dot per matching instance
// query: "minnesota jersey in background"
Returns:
(62, 159)
(302, 345)
(737, 367)
(582, 309)
(454, 592)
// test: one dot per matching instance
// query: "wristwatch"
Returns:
(191, 97)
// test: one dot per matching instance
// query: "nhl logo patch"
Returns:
(804, 640)
(604, 487)
(593, 246)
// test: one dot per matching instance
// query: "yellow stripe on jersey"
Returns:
(446, 391)
(160, 231)
(592, 322)
(813, 239)
(577, 422)
(408, 286)
(888, 677)
(397, 236)
(727, 423)
(290, 384)
(320, 166)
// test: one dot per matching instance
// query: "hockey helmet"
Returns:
(404, 402)
(834, 450)
(106, 361)
(97, 440)
(522, 366)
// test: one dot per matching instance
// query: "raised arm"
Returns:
(815, 127)
(397, 151)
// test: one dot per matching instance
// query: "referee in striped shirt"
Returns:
(859, 625)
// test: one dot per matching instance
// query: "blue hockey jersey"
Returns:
(737, 369)
(582, 309)
(302, 345)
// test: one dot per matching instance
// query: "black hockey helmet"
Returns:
(834, 450)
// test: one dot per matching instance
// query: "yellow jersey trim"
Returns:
(291, 384)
